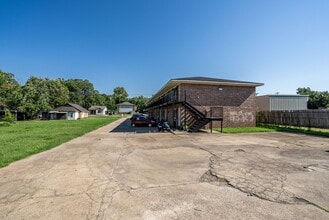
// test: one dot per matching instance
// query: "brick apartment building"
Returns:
(197, 102)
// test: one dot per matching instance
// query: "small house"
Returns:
(97, 110)
(69, 111)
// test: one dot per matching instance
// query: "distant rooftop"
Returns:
(126, 103)
(69, 107)
(97, 107)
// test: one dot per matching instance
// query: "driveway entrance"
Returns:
(125, 126)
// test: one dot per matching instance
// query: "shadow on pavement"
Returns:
(126, 127)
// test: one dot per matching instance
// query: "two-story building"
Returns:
(195, 102)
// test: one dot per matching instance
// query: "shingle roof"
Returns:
(80, 108)
(96, 107)
(64, 109)
(69, 107)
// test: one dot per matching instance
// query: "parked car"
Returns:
(141, 120)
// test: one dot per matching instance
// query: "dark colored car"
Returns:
(141, 120)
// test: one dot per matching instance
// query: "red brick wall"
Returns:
(239, 103)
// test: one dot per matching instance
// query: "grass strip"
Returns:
(303, 130)
(245, 129)
(25, 138)
(271, 128)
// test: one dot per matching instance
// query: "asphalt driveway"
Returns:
(117, 172)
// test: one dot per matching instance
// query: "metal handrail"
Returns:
(196, 102)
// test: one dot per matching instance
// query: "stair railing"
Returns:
(195, 102)
(207, 113)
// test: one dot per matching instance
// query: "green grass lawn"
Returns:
(25, 138)
(245, 129)
(271, 128)
(304, 130)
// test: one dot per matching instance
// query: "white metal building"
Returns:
(126, 108)
(281, 102)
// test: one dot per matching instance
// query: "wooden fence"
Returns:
(301, 118)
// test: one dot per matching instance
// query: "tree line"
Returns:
(43, 94)
(317, 99)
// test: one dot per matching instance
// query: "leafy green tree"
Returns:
(36, 96)
(112, 107)
(42, 94)
(81, 92)
(140, 102)
(119, 95)
(316, 99)
(109, 103)
(98, 99)
(10, 90)
(57, 91)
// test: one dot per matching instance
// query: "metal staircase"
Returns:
(198, 119)
(197, 125)
(193, 110)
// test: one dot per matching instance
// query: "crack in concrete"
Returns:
(305, 201)
(244, 183)
(101, 210)
(103, 205)
(162, 186)
(211, 176)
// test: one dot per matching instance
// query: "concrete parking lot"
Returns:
(119, 172)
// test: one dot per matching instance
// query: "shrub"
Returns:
(9, 118)
(4, 124)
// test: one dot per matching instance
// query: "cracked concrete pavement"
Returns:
(137, 173)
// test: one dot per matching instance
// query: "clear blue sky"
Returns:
(141, 44)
